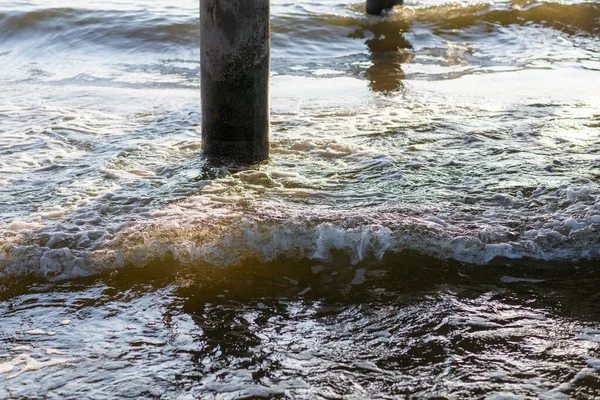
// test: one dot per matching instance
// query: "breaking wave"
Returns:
(195, 237)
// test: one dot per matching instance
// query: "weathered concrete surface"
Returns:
(235, 64)
(376, 7)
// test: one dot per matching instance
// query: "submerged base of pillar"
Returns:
(236, 151)
(376, 7)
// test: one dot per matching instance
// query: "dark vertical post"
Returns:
(235, 64)
(376, 7)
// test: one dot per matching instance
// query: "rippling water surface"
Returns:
(428, 223)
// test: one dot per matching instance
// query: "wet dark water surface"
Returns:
(427, 225)
(423, 328)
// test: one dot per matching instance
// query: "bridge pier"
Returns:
(235, 67)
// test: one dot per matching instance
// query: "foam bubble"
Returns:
(21, 348)
(54, 352)
(31, 364)
(16, 226)
(35, 332)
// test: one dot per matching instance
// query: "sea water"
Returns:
(428, 223)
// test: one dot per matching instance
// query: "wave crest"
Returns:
(232, 239)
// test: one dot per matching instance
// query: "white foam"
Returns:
(284, 174)
(35, 332)
(198, 230)
(16, 226)
(6, 367)
(21, 348)
(593, 362)
(31, 364)
(54, 352)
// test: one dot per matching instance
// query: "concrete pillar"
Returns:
(235, 63)
(376, 7)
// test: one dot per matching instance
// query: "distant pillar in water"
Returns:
(376, 7)
(235, 64)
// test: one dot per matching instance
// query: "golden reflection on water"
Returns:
(414, 327)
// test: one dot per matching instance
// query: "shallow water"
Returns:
(401, 147)
(416, 327)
